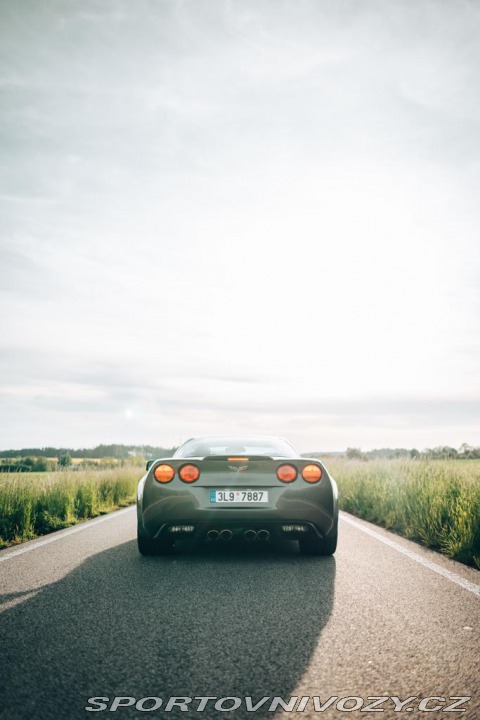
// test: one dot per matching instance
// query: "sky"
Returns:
(232, 216)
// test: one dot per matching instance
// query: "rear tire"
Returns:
(147, 546)
(319, 546)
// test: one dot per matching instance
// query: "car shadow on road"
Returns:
(213, 621)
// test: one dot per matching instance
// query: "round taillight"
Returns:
(312, 473)
(287, 473)
(189, 473)
(164, 473)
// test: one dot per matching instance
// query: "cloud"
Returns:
(240, 213)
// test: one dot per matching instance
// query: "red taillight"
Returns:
(189, 473)
(287, 473)
(312, 473)
(164, 473)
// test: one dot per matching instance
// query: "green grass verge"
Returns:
(435, 502)
(33, 504)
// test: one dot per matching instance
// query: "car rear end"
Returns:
(222, 497)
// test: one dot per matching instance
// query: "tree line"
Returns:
(48, 459)
(100, 451)
(441, 452)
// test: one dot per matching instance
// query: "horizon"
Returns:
(240, 215)
(174, 447)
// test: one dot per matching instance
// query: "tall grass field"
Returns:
(435, 502)
(33, 504)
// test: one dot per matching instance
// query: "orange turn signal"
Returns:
(164, 473)
(189, 473)
(312, 473)
(287, 473)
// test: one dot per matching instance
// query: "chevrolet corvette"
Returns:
(216, 489)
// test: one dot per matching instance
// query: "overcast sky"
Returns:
(240, 215)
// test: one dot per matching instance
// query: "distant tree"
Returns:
(441, 452)
(355, 454)
(41, 465)
(466, 451)
(64, 460)
(414, 454)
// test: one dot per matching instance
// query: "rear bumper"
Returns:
(292, 530)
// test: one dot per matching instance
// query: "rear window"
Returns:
(202, 447)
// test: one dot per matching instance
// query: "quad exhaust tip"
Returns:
(220, 535)
(251, 535)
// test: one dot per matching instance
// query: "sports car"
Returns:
(233, 487)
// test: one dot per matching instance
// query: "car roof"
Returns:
(237, 436)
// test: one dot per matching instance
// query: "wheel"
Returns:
(319, 546)
(147, 546)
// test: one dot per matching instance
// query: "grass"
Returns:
(435, 502)
(33, 504)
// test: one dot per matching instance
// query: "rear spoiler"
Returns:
(226, 458)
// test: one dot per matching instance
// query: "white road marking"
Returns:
(5, 555)
(453, 577)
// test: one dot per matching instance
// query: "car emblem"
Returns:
(238, 468)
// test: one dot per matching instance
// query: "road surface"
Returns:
(84, 615)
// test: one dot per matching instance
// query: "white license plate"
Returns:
(238, 496)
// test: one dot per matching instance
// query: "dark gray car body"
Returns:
(299, 510)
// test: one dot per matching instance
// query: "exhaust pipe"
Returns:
(226, 535)
(250, 535)
(263, 535)
(213, 535)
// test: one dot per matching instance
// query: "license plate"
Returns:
(238, 496)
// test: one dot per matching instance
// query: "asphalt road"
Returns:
(85, 615)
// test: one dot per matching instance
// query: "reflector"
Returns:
(189, 473)
(312, 473)
(181, 529)
(294, 528)
(164, 473)
(287, 473)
